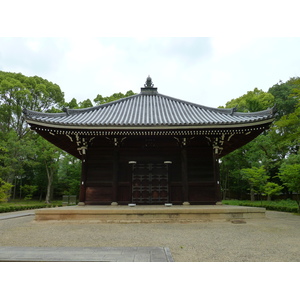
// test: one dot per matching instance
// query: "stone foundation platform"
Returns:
(149, 214)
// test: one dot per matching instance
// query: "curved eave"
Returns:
(153, 127)
(145, 111)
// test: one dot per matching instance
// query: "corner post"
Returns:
(83, 180)
(217, 149)
(217, 176)
(184, 173)
(115, 170)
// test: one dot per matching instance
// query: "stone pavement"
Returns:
(80, 254)
(275, 238)
(87, 254)
(5, 216)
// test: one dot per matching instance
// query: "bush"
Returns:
(282, 205)
(28, 190)
(5, 188)
(11, 208)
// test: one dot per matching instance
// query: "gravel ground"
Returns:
(274, 239)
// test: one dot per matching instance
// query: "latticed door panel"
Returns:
(150, 183)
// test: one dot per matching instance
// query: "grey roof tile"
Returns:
(147, 109)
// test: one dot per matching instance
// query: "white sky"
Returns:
(205, 70)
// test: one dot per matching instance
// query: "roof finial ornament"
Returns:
(149, 83)
(149, 88)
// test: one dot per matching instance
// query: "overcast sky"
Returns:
(207, 71)
(203, 70)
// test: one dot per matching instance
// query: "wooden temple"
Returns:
(149, 148)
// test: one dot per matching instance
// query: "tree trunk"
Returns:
(252, 194)
(50, 173)
(225, 186)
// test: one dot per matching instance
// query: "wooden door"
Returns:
(150, 183)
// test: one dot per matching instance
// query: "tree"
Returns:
(48, 155)
(85, 104)
(271, 148)
(286, 96)
(4, 190)
(257, 178)
(28, 191)
(74, 105)
(17, 92)
(255, 100)
(272, 189)
(15, 156)
(232, 184)
(288, 130)
(290, 175)
(69, 175)
(116, 96)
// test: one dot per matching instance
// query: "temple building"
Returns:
(149, 148)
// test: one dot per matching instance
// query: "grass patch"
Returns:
(277, 205)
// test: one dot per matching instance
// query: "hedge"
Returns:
(24, 207)
(265, 205)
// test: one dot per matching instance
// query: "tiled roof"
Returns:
(147, 109)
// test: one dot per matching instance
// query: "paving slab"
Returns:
(86, 254)
(275, 238)
(5, 216)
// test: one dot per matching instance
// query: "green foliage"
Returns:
(12, 207)
(74, 105)
(281, 205)
(28, 191)
(286, 96)
(49, 157)
(272, 148)
(17, 92)
(253, 101)
(5, 188)
(68, 175)
(272, 189)
(102, 100)
(15, 156)
(256, 177)
(85, 104)
(28, 161)
(288, 130)
(290, 175)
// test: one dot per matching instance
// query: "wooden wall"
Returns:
(104, 159)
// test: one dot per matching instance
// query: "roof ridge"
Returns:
(29, 112)
(257, 113)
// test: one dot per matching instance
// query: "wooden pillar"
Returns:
(217, 174)
(115, 173)
(83, 180)
(184, 173)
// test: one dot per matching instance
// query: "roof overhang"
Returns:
(145, 127)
